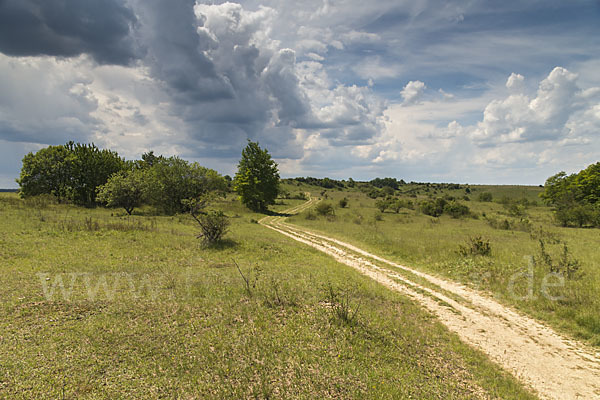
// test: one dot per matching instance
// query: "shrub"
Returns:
(324, 209)
(213, 226)
(381, 205)
(578, 215)
(485, 196)
(343, 202)
(456, 210)
(433, 208)
(476, 246)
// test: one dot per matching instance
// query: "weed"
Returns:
(339, 301)
(250, 280)
(565, 265)
(476, 246)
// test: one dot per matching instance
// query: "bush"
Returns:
(578, 215)
(433, 208)
(324, 209)
(214, 225)
(485, 196)
(456, 210)
(476, 246)
(381, 205)
(343, 202)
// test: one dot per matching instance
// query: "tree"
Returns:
(91, 168)
(172, 180)
(124, 189)
(71, 171)
(47, 171)
(257, 178)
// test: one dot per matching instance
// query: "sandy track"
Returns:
(553, 366)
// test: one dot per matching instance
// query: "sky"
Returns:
(497, 92)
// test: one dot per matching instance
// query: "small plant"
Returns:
(339, 304)
(343, 202)
(476, 246)
(566, 265)
(250, 280)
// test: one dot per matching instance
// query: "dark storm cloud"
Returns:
(226, 79)
(68, 28)
(176, 51)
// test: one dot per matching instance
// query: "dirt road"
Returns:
(553, 366)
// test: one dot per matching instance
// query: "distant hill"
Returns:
(9, 190)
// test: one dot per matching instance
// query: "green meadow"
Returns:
(97, 304)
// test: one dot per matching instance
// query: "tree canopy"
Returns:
(70, 172)
(257, 178)
(575, 197)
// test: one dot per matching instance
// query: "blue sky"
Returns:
(465, 91)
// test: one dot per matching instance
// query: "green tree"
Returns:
(124, 189)
(172, 180)
(72, 171)
(91, 168)
(257, 179)
(47, 171)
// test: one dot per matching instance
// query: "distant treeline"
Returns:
(375, 188)
(8, 190)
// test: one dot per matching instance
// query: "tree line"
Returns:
(86, 175)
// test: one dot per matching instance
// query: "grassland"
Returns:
(513, 230)
(148, 313)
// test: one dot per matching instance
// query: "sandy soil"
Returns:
(553, 366)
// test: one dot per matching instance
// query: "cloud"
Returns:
(68, 28)
(515, 82)
(45, 101)
(412, 92)
(375, 68)
(554, 113)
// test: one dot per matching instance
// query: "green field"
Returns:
(514, 232)
(146, 312)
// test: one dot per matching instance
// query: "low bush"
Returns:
(343, 202)
(475, 246)
(485, 196)
(213, 225)
(324, 209)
